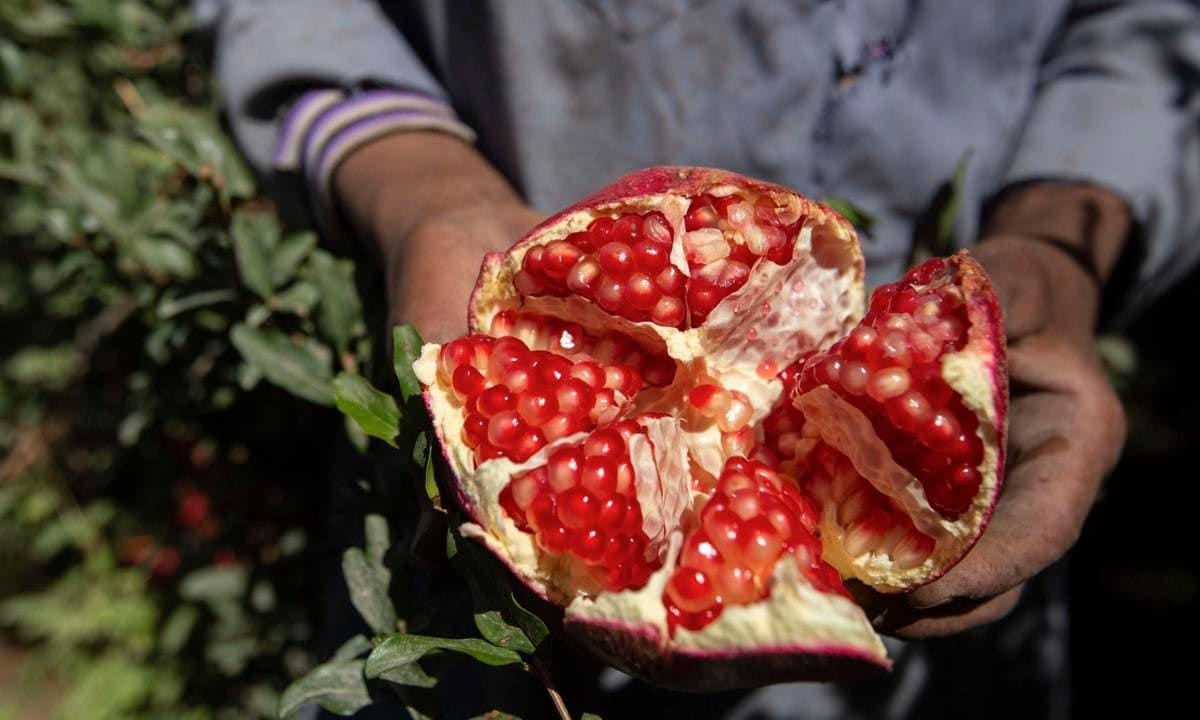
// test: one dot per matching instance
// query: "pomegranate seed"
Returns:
(538, 406)
(610, 293)
(627, 229)
(641, 292)
(558, 259)
(468, 382)
(886, 384)
(505, 428)
(656, 229)
(668, 311)
(710, 400)
(854, 377)
(528, 284)
(737, 415)
(651, 257)
(582, 240)
(599, 475)
(497, 398)
(671, 281)
(940, 431)
(912, 550)
(529, 443)
(574, 395)
(600, 229)
(617, 259)
(577, 508)
(690, 590)
(474, 430)
(584, 278)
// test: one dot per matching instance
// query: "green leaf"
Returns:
(398, 649)
(943, 243)
(495, 630)
(171, 305)
(431, 486)
(411, 675)
(496, 608)
(339, 687)
(255, 236)
(178, 628)
(196, 141)
(590, 716)
(299, 299)
(859, 218)
(339, 315)
(214, 584)
(406, 342)
(289, 254)
(352, 648)
(420, 451)
(374, 411)
(378, 537)
(300, 368)
(534, 628)
(496, 715)
(355, 435)
(368, 584)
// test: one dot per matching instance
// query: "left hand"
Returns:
(1066, 429)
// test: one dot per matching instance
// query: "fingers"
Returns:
(1066, 432)
(954, 617)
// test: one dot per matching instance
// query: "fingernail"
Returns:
(929, 606)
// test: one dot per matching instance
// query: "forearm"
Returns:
(389, 186)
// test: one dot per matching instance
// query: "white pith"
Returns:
(789, 309)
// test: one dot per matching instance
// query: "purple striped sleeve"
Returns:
(294, 130)
(339, 128)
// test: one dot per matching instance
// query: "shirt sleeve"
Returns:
(307, 81)
(1118, 105)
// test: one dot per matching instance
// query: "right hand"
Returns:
(432, 207)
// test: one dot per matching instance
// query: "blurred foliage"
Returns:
(172, 361)
(157, 488)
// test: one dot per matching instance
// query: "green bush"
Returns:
(157, 488)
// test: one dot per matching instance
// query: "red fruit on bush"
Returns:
(675, 419)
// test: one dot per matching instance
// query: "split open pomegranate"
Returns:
(676, 419)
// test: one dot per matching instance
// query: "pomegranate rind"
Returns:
(796, 632)
(781, 313)
(978, 373)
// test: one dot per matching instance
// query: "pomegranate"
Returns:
(676, 418)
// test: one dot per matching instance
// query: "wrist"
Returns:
(1088, 223)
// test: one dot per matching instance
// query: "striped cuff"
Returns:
(324, 126)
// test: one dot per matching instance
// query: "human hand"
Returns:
(432, 208)
(1066, 425)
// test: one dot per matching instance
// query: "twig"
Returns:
(129, 95)
(559, 704)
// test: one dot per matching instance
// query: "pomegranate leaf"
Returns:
(339, 687)
(339, 314)
(406, 342)
(368, 583)
(495, 630)
(374, 411)
(255, 237)
(300, 368)
(399, 649)
(354, 647)
(859, 218)
(498, 615)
